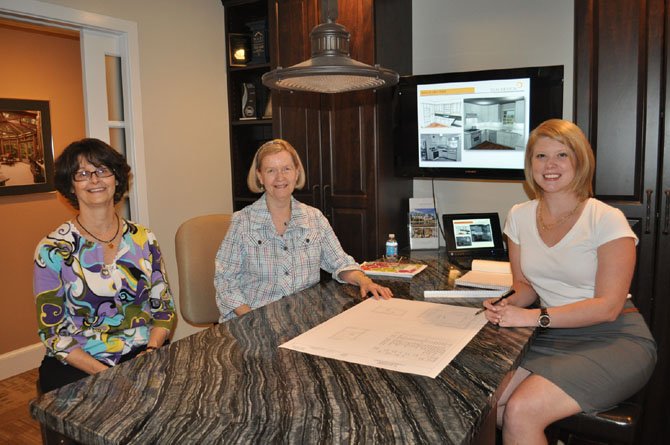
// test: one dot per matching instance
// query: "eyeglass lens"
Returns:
(100, 172)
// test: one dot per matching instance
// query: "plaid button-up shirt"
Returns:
(255, 265)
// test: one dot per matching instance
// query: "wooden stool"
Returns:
(616, 426)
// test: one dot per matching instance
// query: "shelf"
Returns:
(252, 122)
(258, 66)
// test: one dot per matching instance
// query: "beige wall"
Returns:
(466, 35)
(184, 111)
(24, 219)
(183, 85)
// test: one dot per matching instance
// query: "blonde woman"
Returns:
(277, 245)
(576, 255)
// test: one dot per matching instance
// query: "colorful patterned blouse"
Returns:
(107, 310)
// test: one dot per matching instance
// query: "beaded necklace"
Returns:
(109, 242)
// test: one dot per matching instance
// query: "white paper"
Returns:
(488, 275)
(409, 336)
(485, 280)
(491, 266)
(461, 294)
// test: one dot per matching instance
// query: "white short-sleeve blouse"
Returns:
(566, 272)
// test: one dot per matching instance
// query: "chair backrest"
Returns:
(197, 242)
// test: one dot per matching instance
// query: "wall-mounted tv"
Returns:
(472, 124)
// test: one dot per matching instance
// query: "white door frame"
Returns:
(29, 357)
(126, 33)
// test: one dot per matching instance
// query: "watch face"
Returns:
(544, 320)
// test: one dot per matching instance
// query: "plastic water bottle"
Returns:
(391, 248)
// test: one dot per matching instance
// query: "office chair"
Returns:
(618, 425)
(197, 241)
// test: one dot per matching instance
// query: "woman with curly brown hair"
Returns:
(99, 280)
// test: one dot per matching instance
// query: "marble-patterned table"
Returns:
(231, 384)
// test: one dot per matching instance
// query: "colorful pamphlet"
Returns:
(423, 230)
(388, 269)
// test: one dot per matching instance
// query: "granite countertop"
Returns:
(232, 384)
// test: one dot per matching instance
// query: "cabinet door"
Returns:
(290, 24)
(297, 119)
(349, 170)
(520, 113)
(622, 118)
(494, 115)
(618, 104)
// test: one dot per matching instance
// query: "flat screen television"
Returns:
(472, 124)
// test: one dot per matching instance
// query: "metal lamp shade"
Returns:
(330, 69)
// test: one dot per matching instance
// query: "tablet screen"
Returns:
(473, 234)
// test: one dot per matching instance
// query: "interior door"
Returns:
(104, 96)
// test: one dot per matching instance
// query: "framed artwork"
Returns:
(26, 149)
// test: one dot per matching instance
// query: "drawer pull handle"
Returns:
(647, 218)
(666, 220)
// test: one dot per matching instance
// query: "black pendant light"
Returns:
(330, 69)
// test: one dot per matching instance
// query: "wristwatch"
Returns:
(544, 320)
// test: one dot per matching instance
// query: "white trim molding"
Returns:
(21, 360)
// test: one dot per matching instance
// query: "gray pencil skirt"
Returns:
(598, 366)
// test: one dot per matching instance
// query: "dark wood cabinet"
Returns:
(344, 140)
(621, 92)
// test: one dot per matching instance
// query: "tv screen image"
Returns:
(473, 124)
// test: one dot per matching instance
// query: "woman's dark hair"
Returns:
(97, 153)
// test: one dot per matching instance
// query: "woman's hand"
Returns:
(371, 289)
(241, 310)
(507, 315)
(367, 287)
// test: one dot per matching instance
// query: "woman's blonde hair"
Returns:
(570, 135)
(270, 148)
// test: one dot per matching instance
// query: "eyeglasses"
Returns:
(85, 175)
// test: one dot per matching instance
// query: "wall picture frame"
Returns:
(26, 147)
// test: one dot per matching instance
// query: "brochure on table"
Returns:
(390, 269)
(423, 229)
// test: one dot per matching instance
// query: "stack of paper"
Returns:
(460, 294)
(487, 275)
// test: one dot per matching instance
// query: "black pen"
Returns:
(497, 300)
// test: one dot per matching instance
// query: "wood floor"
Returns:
(16, 425)
(487, 145)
